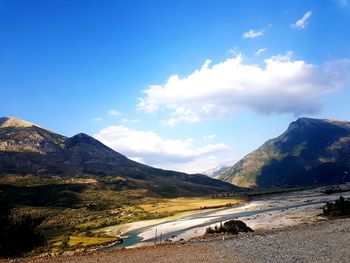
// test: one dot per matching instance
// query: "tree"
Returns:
(18, 234)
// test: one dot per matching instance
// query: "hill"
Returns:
(27, 149)
(309, 152)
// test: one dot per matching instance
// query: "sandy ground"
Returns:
(326, 241)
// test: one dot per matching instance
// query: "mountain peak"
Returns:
(304, 123)
(14, 122)
(82, 138)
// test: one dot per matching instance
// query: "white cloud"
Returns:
(96, 119)
(260, 51)
(301, 23)
(209, 136)
(252, 33)
(126, 120)
(113, 112)
(148, 147)
(282, 85)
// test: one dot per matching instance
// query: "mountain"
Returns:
(28, 149)
(215, 171)
(309, 152)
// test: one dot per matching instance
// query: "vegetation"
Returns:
(333, 190)
(73, 210)
(18, 234)
(340, 207)
(231, 227)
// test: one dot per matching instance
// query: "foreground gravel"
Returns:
(327, 241)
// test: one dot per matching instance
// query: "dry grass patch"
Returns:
(190, 203)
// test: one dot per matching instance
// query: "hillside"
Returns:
(309, 152)
(27, 149)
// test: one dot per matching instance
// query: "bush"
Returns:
(340, 207)
(236, 226)
(232, 227)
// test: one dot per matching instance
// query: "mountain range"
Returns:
(28, 149)
(309, 152)
(216, 170)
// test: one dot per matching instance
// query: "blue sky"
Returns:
(134, 73)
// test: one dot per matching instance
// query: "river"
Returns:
(269, 212)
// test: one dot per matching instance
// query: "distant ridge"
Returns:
(309, 152)
(26, 148)
(215, 171)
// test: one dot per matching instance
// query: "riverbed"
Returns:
(264, 213)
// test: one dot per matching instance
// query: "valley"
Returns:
(174, 131)
(288, 227)
(76, 194)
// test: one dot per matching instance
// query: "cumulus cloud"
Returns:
(252, 33)
(113, 112)
(281, 85)
(96, 119)
(150, 148)
(260, 51)
(301, 23)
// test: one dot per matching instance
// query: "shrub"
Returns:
(232, 227)
(340, 207)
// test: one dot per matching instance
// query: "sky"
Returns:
(185, 85)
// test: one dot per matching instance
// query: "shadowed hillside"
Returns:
(309, 152)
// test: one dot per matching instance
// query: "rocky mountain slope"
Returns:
(309, 152)
(26, 149)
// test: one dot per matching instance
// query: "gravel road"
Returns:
(327, 241)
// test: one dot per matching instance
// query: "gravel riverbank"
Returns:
(326, 241)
